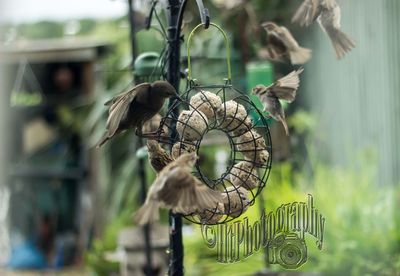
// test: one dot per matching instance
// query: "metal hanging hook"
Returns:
(150, 16)
(204, 14)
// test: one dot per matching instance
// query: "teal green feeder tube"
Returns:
(258, 73)
(147, 67)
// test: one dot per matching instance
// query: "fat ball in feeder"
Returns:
(191, 125)
(206, 102)
(236, 201)
(253, 147)
(244, 174)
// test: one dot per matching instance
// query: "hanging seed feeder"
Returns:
(223, 108)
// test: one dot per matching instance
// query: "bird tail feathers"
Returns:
(300, 55)
(148, 213)
(103, 140)
(283, 121)
(341, 42)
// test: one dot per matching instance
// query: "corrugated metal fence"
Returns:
(357, 100)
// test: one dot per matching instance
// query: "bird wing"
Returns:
(117, 97)
(305, 14)
(287, 38)
(329, 18)
(119, 108)
(206, 198)
(177, 192)
(186, 197)
(276, 45)
(336, 17)
(185, 194)
(159, 183)
(285, 88)
(328, 4)
(316, 5)
(270, 53)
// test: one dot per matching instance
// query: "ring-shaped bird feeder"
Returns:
(221, 107)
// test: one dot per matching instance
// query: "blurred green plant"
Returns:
(40, 30)
(95, 257)
(119, 182)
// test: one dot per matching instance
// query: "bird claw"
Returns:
(161, 131)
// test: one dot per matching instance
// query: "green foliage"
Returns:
(87, 26)
(360, 233)
(41, 30)
(303, 122)
(361, 236)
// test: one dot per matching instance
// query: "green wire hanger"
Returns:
(228, 50)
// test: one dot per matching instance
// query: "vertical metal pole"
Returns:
(131, 18)
(148, 268)
(173, 77)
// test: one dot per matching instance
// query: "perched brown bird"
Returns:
(177, 189)
(328, 15)
(158, 157)
(283, 89)
(133, 108)
(282, 44)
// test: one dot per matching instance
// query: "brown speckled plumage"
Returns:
(158, 157)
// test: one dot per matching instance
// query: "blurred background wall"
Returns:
(357, 99)
(4, 246)
(4, 193)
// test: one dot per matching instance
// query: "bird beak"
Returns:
(259, 90)
(268, 25)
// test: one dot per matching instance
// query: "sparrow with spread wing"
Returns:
(328, 15)
(283, 89)
(281, 44)
(177, 189)
(131, 109)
